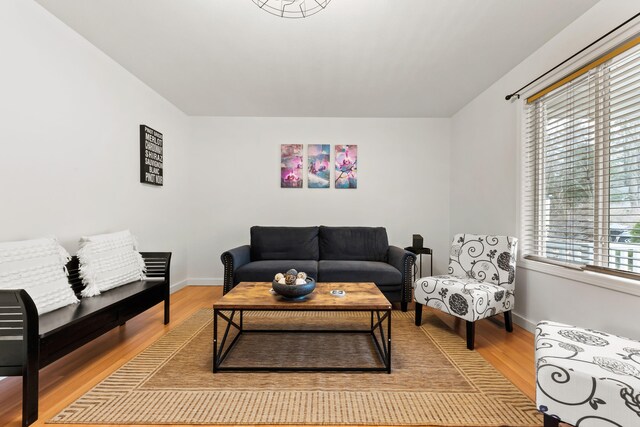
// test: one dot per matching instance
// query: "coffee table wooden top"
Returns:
(258, 296)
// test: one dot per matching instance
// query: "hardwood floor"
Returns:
(67, 379)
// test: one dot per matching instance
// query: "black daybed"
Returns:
(30, 342)
(328, 254)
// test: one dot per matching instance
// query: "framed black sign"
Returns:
(151, 157)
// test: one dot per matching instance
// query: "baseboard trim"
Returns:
(196, 282)
(524, 322)
(177, 286)
(205, 281)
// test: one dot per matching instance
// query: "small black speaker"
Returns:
(417, 241)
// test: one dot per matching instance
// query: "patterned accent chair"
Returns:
(586, 377)
(480, 282)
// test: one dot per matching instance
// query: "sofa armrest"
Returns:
(20, 349)
(231, 260)
(403, 261)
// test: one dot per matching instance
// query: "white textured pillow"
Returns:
(38, 267)
(108, 261)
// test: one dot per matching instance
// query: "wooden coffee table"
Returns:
(258, 297)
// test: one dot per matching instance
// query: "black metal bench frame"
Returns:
(24, 350)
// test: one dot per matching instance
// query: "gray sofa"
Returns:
(328, 254)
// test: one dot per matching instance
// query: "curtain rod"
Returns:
(516, 93)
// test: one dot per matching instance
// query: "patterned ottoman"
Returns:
(586, 378)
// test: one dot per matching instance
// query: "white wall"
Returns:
(485, 183)
(69, 120)
(69, 160)
(234, 173)
(69, 141)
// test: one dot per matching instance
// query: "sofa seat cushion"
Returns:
(391, 288)
(466, 298)
(264, 271)
(379, 273)
(353, 243)
(392, 293)
(277, 243)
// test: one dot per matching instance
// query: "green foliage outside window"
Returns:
(635, 232)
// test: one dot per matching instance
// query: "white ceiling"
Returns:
(357, 58)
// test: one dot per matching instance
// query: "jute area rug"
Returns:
(435, 380)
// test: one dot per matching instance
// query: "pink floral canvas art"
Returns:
(291, 166)
(319, 166)
(346, 162)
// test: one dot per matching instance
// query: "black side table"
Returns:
(420, 252)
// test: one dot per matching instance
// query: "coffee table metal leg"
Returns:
(384, 344)
(219, 351)
(215, 341)
(374, 327)
(389, 342)
(382, 337)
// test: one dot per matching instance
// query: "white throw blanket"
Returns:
(37, 266)
(108, 261)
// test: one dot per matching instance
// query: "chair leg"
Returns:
(418, 314)
(404, 306)
(29, 397)
(508, 323)
(167, 315)
(471, 334)
(550, 421)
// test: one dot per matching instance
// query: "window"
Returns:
(582, 167)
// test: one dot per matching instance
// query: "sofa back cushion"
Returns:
(276, 243)
(354, 243)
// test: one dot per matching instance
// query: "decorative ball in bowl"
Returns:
(293, 285)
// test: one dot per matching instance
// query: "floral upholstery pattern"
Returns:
(586, 377)
(484, 258)
(481, 278)
(465, 298)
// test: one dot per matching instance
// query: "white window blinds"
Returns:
(581, 203)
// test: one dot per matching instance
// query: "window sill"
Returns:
(618, 284)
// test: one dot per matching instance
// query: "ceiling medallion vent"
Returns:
(292, 8)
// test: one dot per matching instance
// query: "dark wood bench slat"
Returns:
(13, 332)
(12, 323)
(10, 316)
